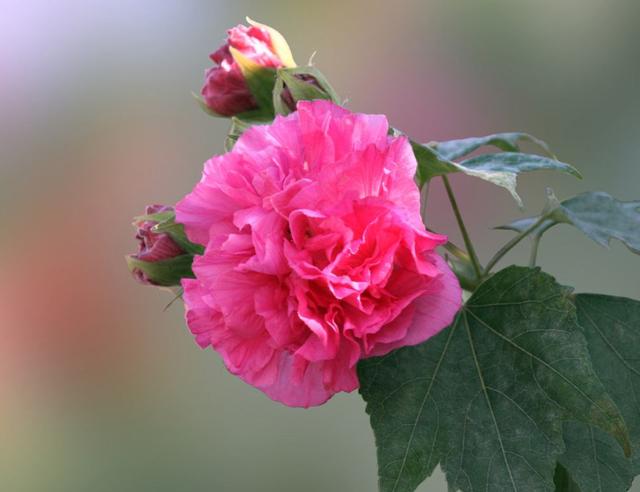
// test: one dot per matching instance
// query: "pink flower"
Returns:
(152, 246)
(225, 90)
(316, 256)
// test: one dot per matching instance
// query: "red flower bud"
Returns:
(152, 246)
(225, 90)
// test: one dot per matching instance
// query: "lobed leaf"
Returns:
(454, 149)
(598, 215)
(486, 397)
(501, 168)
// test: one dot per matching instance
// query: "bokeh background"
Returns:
(102, 390)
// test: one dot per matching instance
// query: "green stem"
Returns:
(534, 250)
(465, 235)
(457, 252)
(536, 243)
(509, 246)
(424, 194)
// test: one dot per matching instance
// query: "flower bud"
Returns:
(160, 260)
(226, 90)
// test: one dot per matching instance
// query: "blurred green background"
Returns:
(102, 390)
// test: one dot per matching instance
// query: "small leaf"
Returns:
(501, 169)
(454, 149)
(430, 163)
(598, 215)
(260, 80)
(486, 397)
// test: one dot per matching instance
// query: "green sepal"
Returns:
(204, 107)
(165, 273)
(301, 90)
(242, 122)
(260, 80)
(166, 223)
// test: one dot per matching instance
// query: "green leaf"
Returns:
(430, 164)
(454, 149)
(501, 169)
(611, 326)
(166, 273)
(598, 215)
(486, 397)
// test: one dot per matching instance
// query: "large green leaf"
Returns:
(509, 142)
(611, 326)
(597, 214)
(486, 397)
(500, 168)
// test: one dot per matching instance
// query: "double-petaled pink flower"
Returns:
(316, 255)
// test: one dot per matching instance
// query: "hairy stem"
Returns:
(465, 235)
(424, 195)
(509, 246)
(534, 250)
(536, 242)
